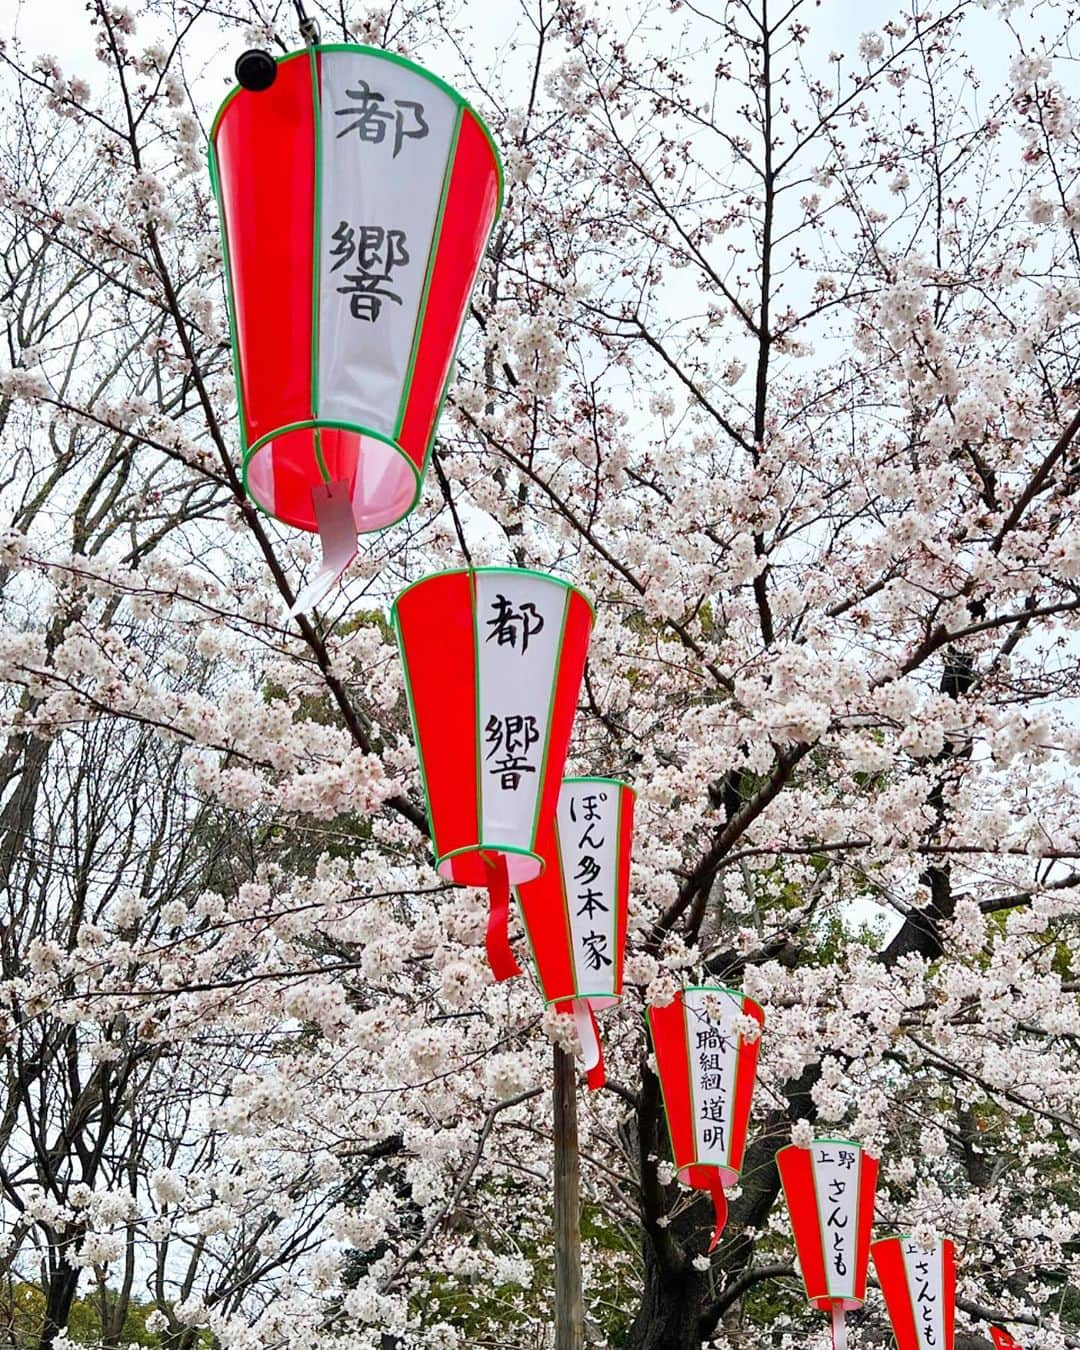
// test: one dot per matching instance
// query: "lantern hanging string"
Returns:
(309, 27)
(497, 941)
(839, 1328)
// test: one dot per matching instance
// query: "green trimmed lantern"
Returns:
(356, 193)
(493, 660)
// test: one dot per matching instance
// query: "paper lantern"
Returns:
(920, 1291)
(575, 912)
(829, 1189)
(356, 195)
(1002, 1340)
(493, 663)
(706, 1064)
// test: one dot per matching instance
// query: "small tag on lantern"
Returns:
(839, 1328)
(589, 1035)
(337, 530)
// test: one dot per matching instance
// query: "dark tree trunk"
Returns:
(669, 1314)
(63, 1282)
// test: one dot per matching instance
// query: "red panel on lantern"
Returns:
(1003, 1340)
(474, 191)
(796, 1169)
(439, 618)
(920, 1292)
(273, 214)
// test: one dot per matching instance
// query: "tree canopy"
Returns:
(774, 353)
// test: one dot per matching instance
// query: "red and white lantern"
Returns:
(493, 660)
(356, 196)
(706, 1061)
(1002, 1340)
(575, 912)
(920, 1291)
(829, 1189)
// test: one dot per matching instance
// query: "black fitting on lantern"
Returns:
(255, 70)
(309, 27)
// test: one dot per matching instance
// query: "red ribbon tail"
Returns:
(594, 1072)
(720, 1210)
(499, 953)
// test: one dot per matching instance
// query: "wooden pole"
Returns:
(569, 1305)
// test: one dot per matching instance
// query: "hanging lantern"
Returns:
(920, 1291)
(1002, 1340)
(829, 1189)
(356, 195)
(493, 663)
(706, 1065)
(575, 912)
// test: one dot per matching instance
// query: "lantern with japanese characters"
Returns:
(1003, 1340)
(493, 663)
(575, 912)
(706, 1046)
(356, 195)
(920, 1291)
(829, 1189)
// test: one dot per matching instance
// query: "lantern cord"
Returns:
(589, 1035)
(309, 27)
(839, 1328)
(720, 1209)
(499, 953)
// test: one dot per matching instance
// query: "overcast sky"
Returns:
(62, 28)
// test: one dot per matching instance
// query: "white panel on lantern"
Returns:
(927, 1294)
(519, 627)
(588, 820)
(385, 139)
(713, 1047)
(836, 1183)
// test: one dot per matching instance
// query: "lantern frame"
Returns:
(481, 848)
(461, 827)
(250, 450)
(623, 850)
(702, 1174)
(892, 1248)
(864, 1224)
(727, 1171)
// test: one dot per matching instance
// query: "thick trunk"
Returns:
(673, 1297)
(669, 1315)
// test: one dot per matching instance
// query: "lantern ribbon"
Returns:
(589, 1035)
(499, 953)
(839, 1328)
(720, 1207)
(337, 530)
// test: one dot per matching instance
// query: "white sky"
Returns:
(62, 28)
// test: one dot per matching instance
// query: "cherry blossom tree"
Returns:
(775, 353)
